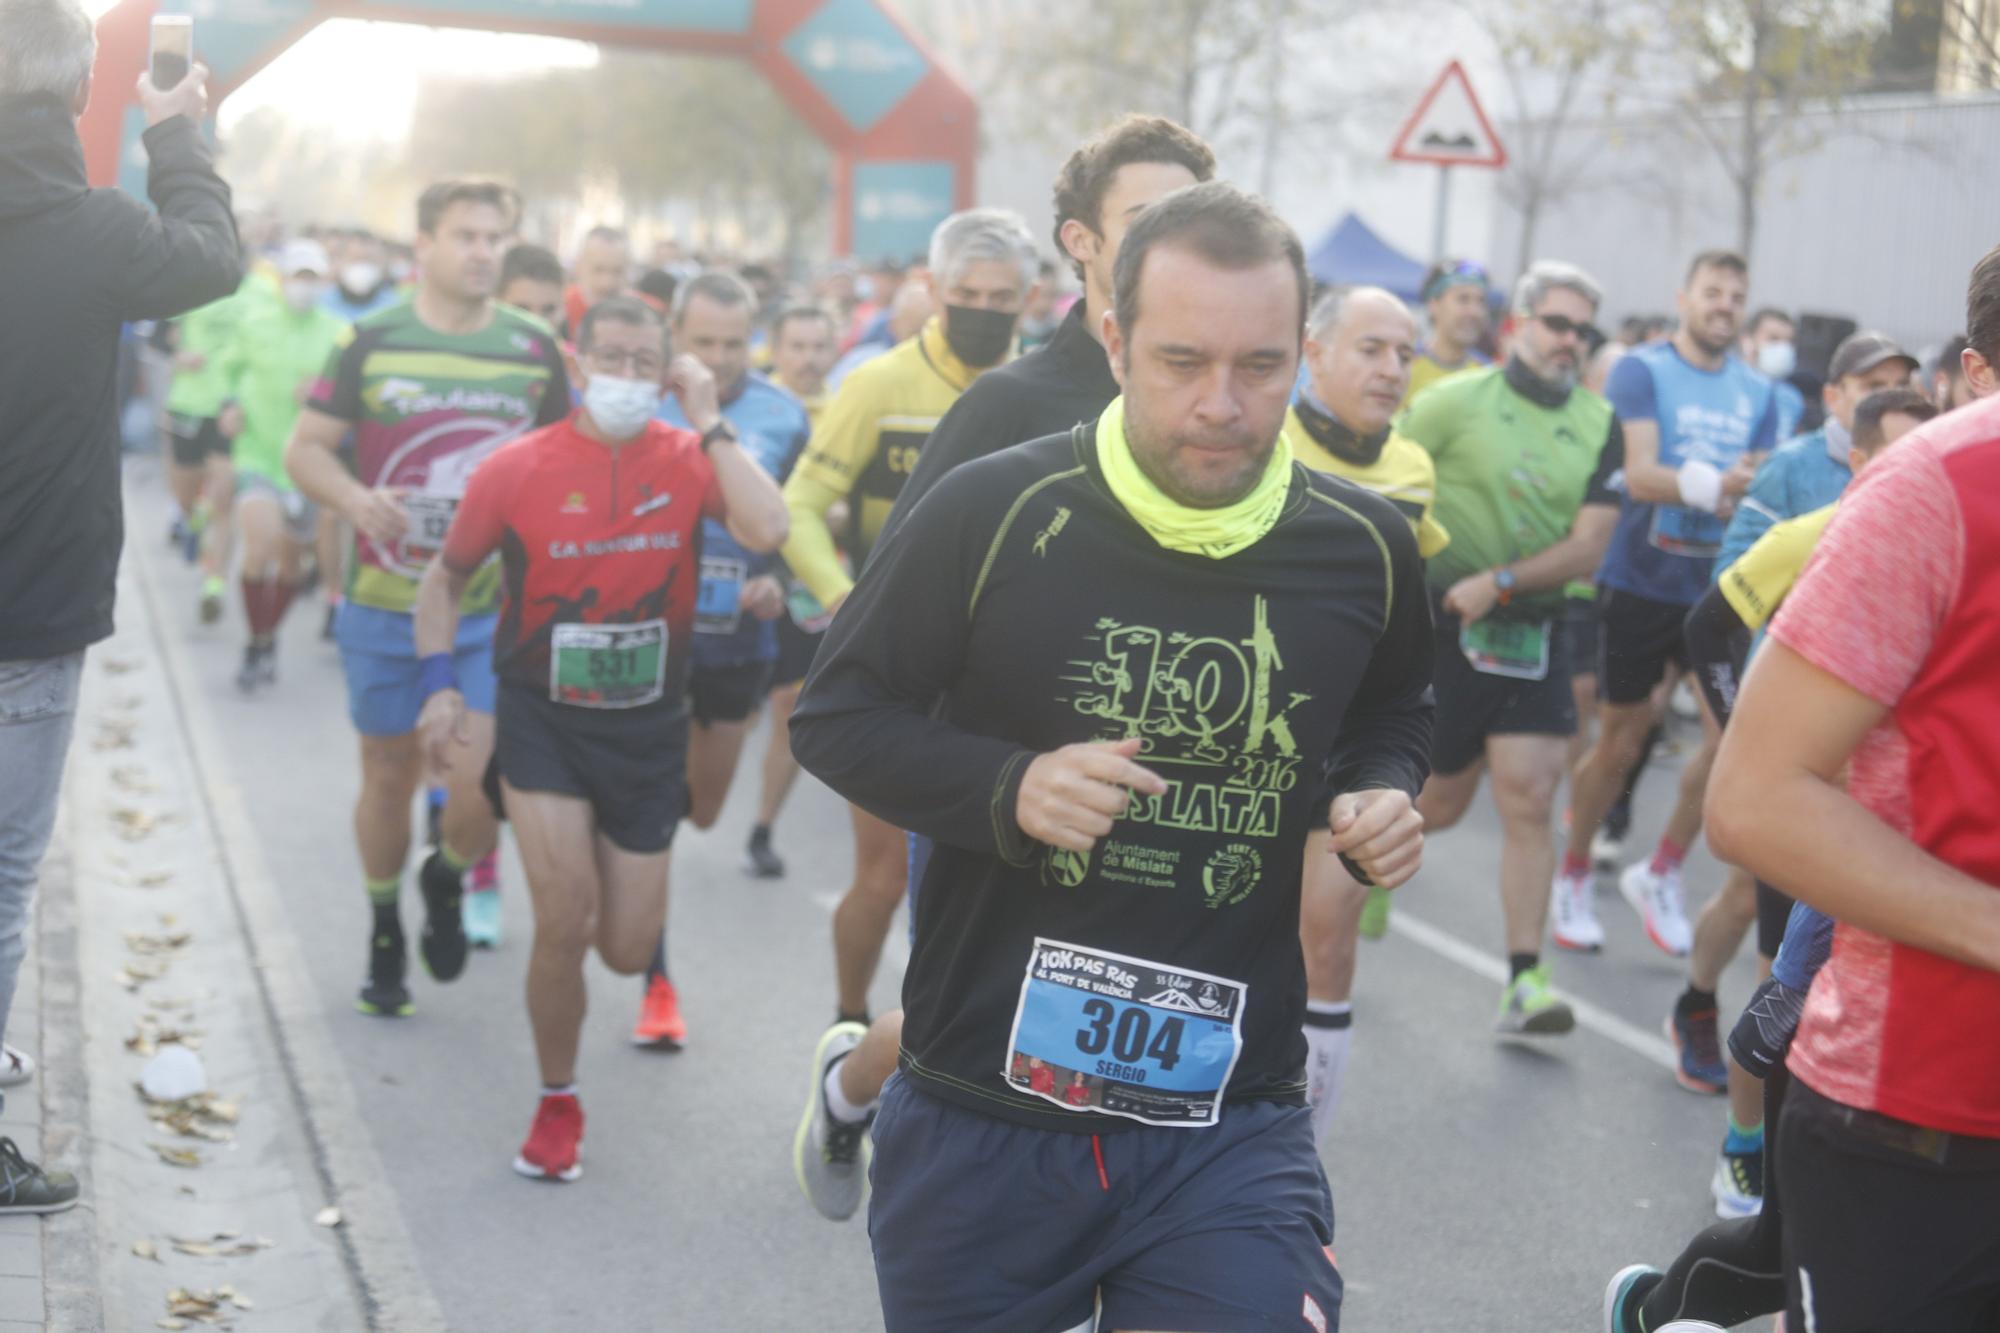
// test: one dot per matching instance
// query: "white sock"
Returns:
(566, 1090)
(1329, 1038)
(846, 1112)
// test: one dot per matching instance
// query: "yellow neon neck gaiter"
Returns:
(1215, 533)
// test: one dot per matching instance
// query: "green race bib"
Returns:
(608, 666)
(1519, 649)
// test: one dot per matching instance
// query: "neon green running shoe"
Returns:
(1529, 1007)
(1375, 913)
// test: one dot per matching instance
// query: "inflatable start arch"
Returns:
(904, 133)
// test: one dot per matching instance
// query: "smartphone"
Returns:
(173, 49)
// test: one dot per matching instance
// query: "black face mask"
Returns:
(1336, 436)
(979, 337)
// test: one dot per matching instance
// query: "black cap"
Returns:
(1861, 352)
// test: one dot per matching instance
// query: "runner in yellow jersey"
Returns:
(1360, 345)
(983, 266)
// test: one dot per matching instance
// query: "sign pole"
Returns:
(1443, 214)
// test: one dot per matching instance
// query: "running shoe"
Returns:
(1703, 1326)
(384, 995)
(660, 1025)
(1657, 900)
(1738, 1184)
(763, 861)
(1529, 1008)
(482, 918)
(260, 667)
(211, 601)
(1628, 1290)
(1573, 903)
(16, 1066)
(1698, 1065)
(443, 940)
(555, 1140)
(829, 1156)
(27, 1188)
(1375, 913)
(1607, 849)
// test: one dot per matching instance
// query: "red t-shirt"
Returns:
(1076, 1094)
(1902, 602)
(588, 535)
(1042, 1080)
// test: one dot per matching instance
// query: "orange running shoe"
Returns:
(555, 1140)
(660, 1025)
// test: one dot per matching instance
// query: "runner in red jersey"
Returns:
(597, 520)
(1859, 775)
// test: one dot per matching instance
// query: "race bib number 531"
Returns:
(1106, 1034)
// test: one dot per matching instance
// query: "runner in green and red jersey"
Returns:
(429, 388)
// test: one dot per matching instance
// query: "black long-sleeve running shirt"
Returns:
(1018, 609)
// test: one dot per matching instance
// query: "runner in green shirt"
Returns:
(197, 454)
(276, 357)
(1525, 462)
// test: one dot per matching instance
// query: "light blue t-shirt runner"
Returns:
(772, 427)
(1662, 552)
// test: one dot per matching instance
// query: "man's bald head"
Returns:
(1360, 342)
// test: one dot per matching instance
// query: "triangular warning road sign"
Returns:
(1449, 128)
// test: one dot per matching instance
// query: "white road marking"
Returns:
(1449, 947)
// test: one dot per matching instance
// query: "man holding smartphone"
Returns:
(86, 261)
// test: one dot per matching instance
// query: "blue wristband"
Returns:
(436, 672)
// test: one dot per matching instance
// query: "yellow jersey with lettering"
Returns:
(863, 449)
(1757, 581)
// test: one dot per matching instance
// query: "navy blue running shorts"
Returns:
(981, 1225)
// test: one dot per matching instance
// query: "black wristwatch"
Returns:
(721, 430)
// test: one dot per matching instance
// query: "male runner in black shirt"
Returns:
(1105, 184)
(1106, 672)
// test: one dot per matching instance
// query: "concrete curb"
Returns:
(72, 1289)
(374, 1241)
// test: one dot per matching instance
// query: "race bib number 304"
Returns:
(1102, 1033)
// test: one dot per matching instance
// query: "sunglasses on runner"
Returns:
(1562, 326)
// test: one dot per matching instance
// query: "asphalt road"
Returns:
(1478, 1184)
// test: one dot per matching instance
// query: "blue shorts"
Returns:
(378, 654)
(980, 1225)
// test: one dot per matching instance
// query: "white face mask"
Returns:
(620, 407)
(1778, 360)
(361, 277)
(302, 294)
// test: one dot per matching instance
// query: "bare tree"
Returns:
(1761, 62)
(1558, 62)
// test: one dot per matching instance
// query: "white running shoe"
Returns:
(1574, 902)
(1658, 901)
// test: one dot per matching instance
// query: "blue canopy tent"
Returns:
(1352, 255)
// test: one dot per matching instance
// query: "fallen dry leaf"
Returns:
(145, 1249)
(132, 778)
(327, 1217)
(173, 1156)
(157, 879)
(170, 1322)
(119, 666)
(139, 942)
(114, 733)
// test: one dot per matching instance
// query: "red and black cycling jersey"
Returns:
(589, 535)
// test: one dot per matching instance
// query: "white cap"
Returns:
(304, 256)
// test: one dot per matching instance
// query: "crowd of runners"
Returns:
(1149, 632)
